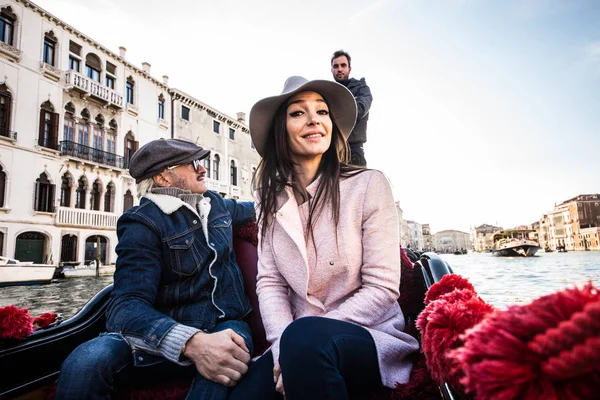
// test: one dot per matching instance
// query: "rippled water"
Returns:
(501, 281)
(504, 281)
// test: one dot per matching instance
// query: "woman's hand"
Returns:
(278, 378)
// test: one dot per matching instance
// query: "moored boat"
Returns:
(13, 273)
(514, 243)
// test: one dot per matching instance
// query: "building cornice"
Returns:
(193, 102)
(61, 24)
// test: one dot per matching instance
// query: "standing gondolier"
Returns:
(340, 68)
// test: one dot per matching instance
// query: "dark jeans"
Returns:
(97, 368)
(320, 358)
(357, 156)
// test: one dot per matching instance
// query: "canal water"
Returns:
(498, 280)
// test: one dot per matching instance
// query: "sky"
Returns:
(483, 111)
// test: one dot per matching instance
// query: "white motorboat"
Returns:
(13, 273)
(514, 243)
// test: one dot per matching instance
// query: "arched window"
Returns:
(109, 198)
(130, 90)
(7, 25)
(65, 191)
(95, 195)
(5, 111)
(161, 107)
(206, 164)
(44, 194)
(98, 142)
(111, 142)
(83, 128)
(69, 123)
(48, 134)
(2, 187)
(49, 52)
(233, 172)
(93, 67)
(216, 164)
(80, 193)
(131, 146)
(127, 201)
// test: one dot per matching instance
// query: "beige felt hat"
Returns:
(339, 99)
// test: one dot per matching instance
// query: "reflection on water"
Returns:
(501, 281)
(504, 281)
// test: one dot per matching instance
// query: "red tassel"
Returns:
(44, 320)
(549, 349)
(15, 322)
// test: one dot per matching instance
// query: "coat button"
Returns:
(330, 262)
(187, 241)
(152, 338)
(195, 222)
(140, 358)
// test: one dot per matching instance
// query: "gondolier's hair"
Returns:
(145, 186)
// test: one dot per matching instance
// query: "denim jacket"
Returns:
(169, 274)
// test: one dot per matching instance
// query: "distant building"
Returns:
(574, 224)
(482, 237)
(450, 241)
(427, 238)
(415, 235)
(402, 226)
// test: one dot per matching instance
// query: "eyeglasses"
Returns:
(195, 164)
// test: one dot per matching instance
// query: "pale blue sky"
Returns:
(483, 112)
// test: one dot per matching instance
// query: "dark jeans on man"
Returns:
(98, 368)
(357, 156)
(320, 358)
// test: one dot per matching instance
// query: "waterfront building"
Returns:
(427, 238)
(233, 159)
(402, 226)
(574, 224)
(482, 237)
(415, 235)
(72, 113)
(449, 241)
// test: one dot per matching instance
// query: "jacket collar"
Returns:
(169, 204)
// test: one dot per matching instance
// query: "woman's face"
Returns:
(308, 126)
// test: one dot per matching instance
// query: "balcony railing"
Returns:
(93, 88)
(69, 148)
(8, 133)
(67, 216)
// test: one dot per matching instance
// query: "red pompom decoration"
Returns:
(549, 349)
(44, 320)
(15, 322)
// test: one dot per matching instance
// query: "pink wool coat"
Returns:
(356, 281)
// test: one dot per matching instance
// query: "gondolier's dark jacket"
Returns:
(167, 274)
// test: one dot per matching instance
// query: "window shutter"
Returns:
(36, 195)
(41, 132)
(136, 146)
(55, 118)
(51, 192)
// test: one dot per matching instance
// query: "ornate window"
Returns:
(131, 146)
(83, 129)
(49, 54)
(48, 133)
(233, 172)
(206, 165)
(93, 67)
(5, 111)
(95, 194)
(69, 123)
(65, 191)
(80, 193)
(216, 164)
(111, 72)
(127, 201)
(7, 25)
(44, 194)
(98, 142)
(109, 198)
(111, 137)
(2, 186)
(130, 90)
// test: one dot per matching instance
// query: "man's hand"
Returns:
(278, 378)
(222, 356)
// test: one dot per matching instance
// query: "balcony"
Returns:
(12, 135)
(81, 152)
(76, 81)
(48, 143)
(50, 71)
(67, 216)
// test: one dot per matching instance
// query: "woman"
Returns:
(329, 264)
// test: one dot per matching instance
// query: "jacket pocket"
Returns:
(185, 254)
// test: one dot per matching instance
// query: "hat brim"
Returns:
(340, 100)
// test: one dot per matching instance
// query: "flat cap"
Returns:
(153, 157)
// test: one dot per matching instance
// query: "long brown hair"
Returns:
(276, 171)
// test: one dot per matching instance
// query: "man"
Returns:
(340, 68)
(178, 298)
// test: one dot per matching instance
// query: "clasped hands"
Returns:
(222, 356)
